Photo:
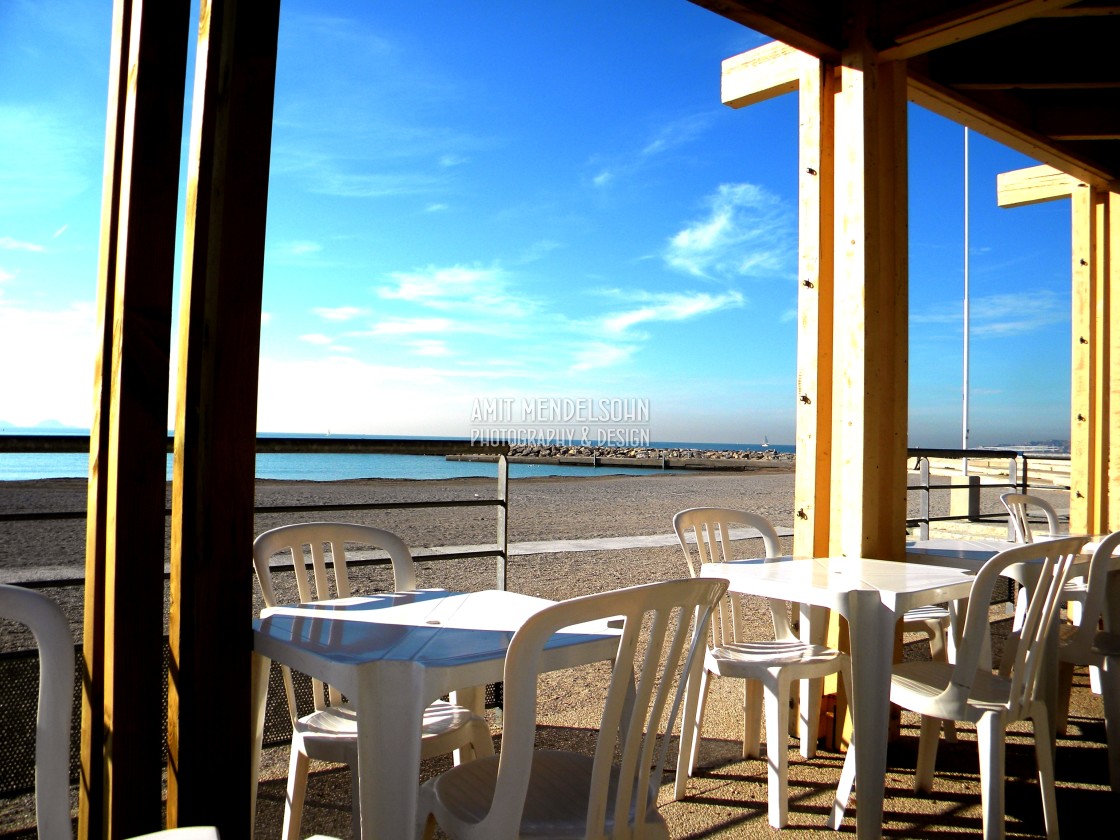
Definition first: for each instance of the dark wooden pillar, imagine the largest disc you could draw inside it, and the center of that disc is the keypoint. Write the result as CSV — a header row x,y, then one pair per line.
x,y
215,422
122,736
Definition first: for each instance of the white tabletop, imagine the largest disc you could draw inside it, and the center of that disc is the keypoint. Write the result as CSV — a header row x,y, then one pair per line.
x,y
872,595
394,654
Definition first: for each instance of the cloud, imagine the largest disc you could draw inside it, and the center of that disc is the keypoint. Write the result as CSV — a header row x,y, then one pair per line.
x,y
450,160
46,159
482,291
665,139
993,316
338,313
316,338
430,347
59,232
9,244
409,326
437,207
671,307
601,355
5,276
747,232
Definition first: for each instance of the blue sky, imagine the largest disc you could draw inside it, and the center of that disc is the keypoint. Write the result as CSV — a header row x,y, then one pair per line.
x,y
511,200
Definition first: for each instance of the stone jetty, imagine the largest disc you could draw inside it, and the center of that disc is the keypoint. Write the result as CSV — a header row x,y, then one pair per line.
x,y
642,456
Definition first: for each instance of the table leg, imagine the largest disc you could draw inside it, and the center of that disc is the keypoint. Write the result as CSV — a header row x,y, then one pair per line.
x,y
390,715
259,688
871,629
473,698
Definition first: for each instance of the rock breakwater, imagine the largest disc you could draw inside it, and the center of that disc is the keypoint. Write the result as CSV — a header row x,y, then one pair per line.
x,y
642,456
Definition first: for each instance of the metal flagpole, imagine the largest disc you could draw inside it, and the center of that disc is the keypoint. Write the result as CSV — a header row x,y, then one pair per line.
x,y
964,407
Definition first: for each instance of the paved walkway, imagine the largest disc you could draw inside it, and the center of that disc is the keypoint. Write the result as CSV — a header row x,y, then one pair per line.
x,y
520,549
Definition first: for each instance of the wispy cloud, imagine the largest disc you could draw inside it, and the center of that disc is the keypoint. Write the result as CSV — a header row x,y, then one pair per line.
x,y
5,276
316,338
1000,315
747,231
600,355
9,244
670,307
461,288
339,313
663,140
430,347
411,326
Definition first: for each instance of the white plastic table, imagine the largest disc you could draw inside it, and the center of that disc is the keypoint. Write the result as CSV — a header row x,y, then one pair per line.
x,y
392,655
872,595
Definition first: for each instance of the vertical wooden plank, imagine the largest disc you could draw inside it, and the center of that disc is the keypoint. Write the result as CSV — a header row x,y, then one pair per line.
x,y
1083,452
812,478
1112,272
1098,512
868,503
122,742
92,817
215,428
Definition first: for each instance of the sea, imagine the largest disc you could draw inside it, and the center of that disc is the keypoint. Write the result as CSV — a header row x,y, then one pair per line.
x,y
25,466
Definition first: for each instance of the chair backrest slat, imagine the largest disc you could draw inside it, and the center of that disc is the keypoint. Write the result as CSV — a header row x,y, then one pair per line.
x,y
1078,646
1018,505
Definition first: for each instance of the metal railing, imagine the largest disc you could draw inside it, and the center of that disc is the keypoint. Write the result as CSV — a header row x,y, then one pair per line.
x,y
329,445
1018,480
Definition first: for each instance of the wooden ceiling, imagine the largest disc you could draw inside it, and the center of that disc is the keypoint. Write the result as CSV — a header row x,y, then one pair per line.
x,y
1042,76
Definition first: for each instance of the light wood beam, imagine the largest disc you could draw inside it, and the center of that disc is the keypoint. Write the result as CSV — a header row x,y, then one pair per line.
x,y
870,360
959,23
209,731
1112,270
122,740
1083,377
762,73
816,183
1099,503
1033,185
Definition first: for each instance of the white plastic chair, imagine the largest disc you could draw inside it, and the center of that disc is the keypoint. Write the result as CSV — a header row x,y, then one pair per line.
x,y
330,732
1107,647
941,691
56,695
767,667
553,793
1077,640
1018,508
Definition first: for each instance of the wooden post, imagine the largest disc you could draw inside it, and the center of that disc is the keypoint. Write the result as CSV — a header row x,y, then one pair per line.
x,y
1112,309
122,739
812,477
1084,424
209,735
869,409
1095,356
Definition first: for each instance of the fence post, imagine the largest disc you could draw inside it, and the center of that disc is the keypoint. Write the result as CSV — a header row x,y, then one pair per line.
x,y
923,509
503,520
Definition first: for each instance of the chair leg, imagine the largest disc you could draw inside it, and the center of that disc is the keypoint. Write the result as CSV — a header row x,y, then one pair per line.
x,y
752,719
843,790
810,716
927,753
1044,753
777,749
1110,693
1065,689
939,634
297,790
989,737
355,802
692,728
482,742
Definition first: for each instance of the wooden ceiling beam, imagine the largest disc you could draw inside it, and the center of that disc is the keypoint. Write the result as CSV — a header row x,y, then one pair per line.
x,y
1033,185
947,27
991,123
762,73
812,27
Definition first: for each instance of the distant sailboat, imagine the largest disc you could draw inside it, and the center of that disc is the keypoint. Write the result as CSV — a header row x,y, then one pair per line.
x,y
765,442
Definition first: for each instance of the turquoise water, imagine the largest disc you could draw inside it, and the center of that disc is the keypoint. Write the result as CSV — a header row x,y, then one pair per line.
x,y
336,467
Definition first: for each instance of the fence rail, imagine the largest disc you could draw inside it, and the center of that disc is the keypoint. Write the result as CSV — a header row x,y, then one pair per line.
x,y
981,468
